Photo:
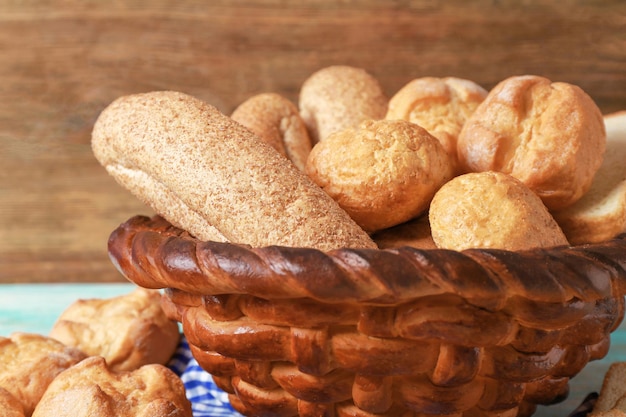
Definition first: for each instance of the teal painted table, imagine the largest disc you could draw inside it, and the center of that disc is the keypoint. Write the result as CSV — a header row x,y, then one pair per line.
x,y
35,307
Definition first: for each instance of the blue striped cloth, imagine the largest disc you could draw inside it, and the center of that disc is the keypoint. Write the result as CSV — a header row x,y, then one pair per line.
x,y
207,400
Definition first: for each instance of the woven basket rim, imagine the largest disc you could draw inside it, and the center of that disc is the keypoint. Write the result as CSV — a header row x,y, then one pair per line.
x,y
154,254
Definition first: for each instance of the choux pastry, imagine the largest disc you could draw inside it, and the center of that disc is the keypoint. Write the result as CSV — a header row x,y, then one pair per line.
x,y
549,135
491,210
382,173
340,97
439,105
277,121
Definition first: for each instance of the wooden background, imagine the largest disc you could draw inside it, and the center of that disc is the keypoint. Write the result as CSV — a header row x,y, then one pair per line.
x,y
61,62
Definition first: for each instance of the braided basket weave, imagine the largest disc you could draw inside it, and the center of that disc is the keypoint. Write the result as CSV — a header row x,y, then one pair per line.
x,y
395,332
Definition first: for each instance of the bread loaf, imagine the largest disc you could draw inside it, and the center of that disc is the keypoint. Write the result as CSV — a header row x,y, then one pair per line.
x,y
211,176
601,213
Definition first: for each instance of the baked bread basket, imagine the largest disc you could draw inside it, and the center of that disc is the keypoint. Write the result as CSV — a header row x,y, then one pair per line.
x,y
395,332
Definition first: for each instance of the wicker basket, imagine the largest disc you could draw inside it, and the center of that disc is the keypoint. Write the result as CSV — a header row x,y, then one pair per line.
x,y
396,332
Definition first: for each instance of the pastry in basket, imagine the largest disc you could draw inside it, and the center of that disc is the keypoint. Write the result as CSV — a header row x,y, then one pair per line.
x,y
129,331
601,213
325,323
211,176
340,97
9,405
29,364
491,210
439,105
393,170
92,389
277,121
549,135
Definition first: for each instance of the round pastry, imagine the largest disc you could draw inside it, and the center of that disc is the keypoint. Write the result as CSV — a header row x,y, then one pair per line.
x,y
29,363
91,389
129,331
491,210
277,121
383,173
439,105
212,177
340,97
550,136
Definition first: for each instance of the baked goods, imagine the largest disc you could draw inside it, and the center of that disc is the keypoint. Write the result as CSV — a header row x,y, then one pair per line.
x,y
211,176
91,389
277,121
549,135
9,405
439,105
612,399
340,97
29,363
382,173
601,213
129,331
491,210
414,233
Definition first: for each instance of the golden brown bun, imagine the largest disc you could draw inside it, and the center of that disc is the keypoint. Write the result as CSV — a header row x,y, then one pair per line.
x,y
439,105
491,210
129,331
9,405
548,135
340,97
277,121
601,213
211,176
91,389
414,233
29,364
383,173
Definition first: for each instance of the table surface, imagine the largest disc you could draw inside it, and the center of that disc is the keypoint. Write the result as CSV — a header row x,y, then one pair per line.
x,y
34,308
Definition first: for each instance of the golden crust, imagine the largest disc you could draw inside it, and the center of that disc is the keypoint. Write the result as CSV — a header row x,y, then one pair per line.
x,y
383,173
29,364
211,176
491,210
340,97
550,136
277,121
129,331
9,405
439,105
90,388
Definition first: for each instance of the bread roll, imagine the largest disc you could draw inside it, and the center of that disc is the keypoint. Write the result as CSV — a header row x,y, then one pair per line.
x,y
612,397
601,213
340,97
277,121
209,175
439,105
129,330
491,210
548,135
29,364
383,173
91,389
